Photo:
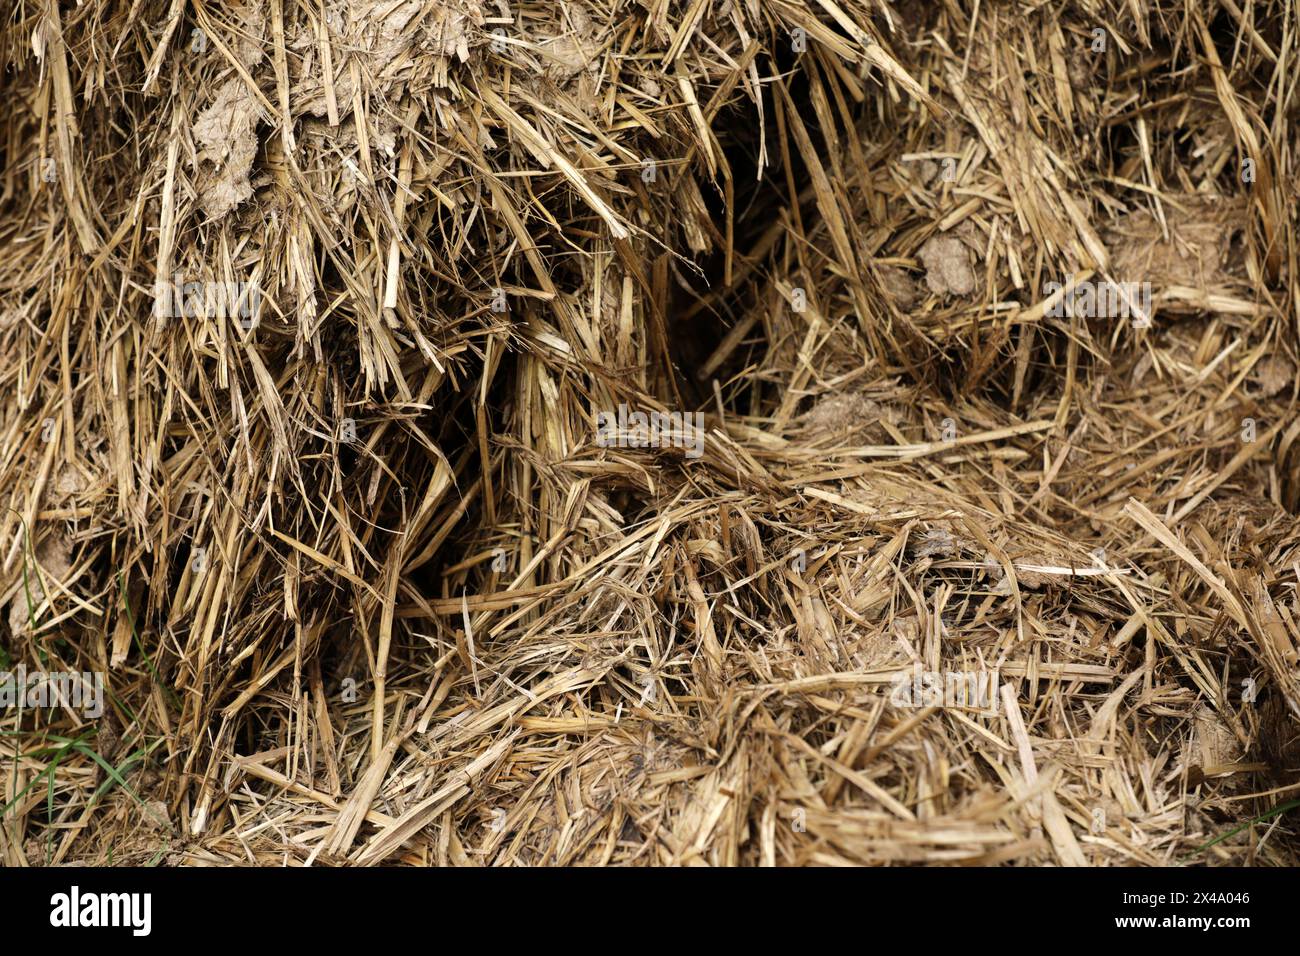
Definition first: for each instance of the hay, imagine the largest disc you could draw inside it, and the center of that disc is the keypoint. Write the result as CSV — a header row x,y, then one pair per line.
x,y
372,582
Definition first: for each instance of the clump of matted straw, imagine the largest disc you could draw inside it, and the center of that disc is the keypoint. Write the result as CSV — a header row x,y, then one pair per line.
x,y
370,584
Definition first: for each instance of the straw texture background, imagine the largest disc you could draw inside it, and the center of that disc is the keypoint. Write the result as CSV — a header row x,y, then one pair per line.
x,y
365,587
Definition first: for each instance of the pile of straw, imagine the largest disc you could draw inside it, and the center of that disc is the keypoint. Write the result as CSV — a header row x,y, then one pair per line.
x,y
328,331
